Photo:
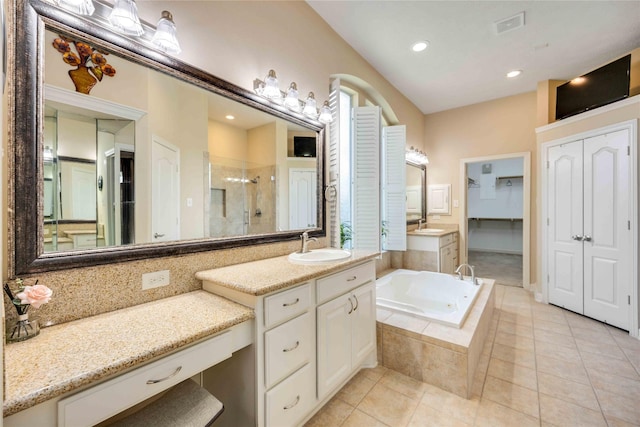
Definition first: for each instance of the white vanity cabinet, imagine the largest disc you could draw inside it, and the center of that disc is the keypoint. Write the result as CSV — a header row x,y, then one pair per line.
x,y
445,247
346,324
448,258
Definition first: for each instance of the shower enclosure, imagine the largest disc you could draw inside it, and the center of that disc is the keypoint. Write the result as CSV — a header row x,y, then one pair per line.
x,y
243,198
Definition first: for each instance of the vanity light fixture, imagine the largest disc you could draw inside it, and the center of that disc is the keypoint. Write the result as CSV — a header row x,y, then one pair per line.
x,y
514,73
310,109
291,101
81,7
165,35
325,113
124,17
271,89
416,156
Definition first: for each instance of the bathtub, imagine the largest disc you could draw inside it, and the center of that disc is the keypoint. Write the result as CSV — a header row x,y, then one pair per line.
x,y
437,297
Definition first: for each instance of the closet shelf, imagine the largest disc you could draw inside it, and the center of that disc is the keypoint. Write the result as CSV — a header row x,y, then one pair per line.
x,y
509,177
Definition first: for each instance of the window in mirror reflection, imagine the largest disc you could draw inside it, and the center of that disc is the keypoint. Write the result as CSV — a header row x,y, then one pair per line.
x,y
415,192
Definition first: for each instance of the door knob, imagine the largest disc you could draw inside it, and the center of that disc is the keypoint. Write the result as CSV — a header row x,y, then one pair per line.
x,y
586,238
577,237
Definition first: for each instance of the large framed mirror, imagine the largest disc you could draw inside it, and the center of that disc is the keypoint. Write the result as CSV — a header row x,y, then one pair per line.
x,y
148,161
416,192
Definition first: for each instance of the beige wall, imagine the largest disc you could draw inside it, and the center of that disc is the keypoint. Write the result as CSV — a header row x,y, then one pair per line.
x,y
497,127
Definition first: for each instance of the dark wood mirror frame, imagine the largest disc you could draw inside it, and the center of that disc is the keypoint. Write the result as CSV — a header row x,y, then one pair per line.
x,y
423,182
25,219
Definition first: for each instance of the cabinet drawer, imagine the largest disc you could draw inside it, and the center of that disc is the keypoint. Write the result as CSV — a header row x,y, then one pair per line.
x,y
286,305
339,283
446,239
287,348
98,403
288,402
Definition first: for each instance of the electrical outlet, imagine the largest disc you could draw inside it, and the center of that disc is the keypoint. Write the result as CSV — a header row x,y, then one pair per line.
x,y
155,279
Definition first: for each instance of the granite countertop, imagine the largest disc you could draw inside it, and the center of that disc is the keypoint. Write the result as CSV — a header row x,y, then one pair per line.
x,y
272,274
441,233
71,355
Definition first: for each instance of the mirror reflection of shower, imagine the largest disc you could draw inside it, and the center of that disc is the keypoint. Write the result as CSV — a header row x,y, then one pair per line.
x,y
241,202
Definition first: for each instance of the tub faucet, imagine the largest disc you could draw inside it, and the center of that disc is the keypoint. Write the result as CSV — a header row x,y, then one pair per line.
x,y
473,274
304,241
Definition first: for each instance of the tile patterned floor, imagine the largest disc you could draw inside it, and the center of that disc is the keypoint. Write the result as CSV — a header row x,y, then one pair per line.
x,y
505,269
541,366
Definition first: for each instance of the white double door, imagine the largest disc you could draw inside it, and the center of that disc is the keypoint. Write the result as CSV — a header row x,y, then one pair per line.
x,y
589,237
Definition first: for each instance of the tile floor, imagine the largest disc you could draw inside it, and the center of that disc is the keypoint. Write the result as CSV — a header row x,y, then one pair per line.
x,y
541,366
505,269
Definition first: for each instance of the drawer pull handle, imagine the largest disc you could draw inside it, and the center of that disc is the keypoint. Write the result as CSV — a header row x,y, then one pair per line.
x,y
350,302
357,303
165,378
289,304
352,278
286,408
286,350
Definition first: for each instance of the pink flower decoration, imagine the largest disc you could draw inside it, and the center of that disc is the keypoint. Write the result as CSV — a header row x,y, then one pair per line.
x,y
35,295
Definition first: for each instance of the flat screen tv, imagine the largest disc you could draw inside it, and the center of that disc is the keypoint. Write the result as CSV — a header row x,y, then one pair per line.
x,y
600,87
304,146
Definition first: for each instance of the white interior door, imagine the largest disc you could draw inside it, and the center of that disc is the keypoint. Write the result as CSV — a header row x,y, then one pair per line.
x,y
302,198
607,241
565,253
83,197
165,196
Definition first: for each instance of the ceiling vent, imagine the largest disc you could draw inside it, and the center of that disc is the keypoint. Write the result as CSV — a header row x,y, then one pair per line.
x,y
509,24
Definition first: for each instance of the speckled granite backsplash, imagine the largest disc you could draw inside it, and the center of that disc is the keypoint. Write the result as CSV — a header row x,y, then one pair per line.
x,y
84,292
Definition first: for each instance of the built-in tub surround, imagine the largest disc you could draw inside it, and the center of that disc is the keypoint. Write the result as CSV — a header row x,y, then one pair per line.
x,y
434,353
67,357
84,292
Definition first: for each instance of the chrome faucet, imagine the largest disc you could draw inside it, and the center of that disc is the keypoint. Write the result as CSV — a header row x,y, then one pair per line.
x,y
473,274
419,224
304,240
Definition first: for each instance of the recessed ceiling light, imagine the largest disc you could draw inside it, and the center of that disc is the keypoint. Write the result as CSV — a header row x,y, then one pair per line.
x,y
420,46
514,73
229,117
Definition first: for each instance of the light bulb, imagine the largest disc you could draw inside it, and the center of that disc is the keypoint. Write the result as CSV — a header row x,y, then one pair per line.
x,y
310,109
325,113
165,35
291,101
124,17
271,89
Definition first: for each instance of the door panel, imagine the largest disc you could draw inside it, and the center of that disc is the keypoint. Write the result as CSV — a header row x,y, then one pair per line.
x,y
165,191
606,212
565,220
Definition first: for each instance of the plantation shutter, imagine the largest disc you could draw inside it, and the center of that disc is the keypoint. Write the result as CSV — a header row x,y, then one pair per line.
x,y
394,200
332,190
366,178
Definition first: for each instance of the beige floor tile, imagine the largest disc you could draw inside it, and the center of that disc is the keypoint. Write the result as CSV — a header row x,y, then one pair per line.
x,y
550,316
623,339
548,325
514,396
356,389
426,416
567,370
360,419
633,355
604,349
491,414
513,355
375,373
616,422
334,413
554,338
450,404
513,328
408,386
579,321
594,334
519,318
515,341
620,407
561,413
570,391
555,351
606,381
508,371
389,406
603,363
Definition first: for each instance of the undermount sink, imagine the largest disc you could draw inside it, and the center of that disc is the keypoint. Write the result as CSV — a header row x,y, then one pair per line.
x,y
429,230
319,256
